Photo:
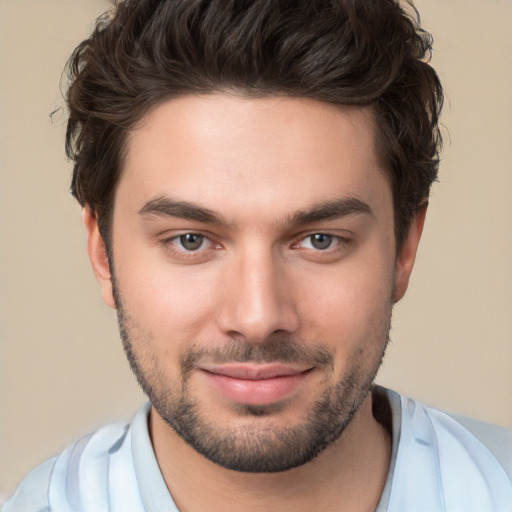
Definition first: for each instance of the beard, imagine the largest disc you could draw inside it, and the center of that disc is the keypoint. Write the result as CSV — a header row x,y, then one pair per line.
x,y
257,445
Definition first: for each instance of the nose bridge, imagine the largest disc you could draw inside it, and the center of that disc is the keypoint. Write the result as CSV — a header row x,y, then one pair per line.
x,y
257,299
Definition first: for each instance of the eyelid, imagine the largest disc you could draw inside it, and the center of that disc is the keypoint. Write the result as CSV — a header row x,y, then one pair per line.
x,y
171,246
204,240
341,239
170,243
175,234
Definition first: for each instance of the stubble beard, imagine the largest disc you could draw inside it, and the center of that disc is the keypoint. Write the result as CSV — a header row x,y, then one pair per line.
x,y
257,446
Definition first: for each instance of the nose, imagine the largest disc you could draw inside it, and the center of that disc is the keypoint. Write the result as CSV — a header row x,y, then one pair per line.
x,y
258,299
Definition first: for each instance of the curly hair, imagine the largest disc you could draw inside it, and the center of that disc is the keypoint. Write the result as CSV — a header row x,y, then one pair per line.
x,y
344,52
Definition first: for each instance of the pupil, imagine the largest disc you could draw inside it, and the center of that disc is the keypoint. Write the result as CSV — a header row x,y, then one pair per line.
x,y
321,241
191,241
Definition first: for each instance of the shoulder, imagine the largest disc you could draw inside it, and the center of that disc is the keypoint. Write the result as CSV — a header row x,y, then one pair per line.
x,y
473,435
498,440
442,462
465,464
68,480
32,493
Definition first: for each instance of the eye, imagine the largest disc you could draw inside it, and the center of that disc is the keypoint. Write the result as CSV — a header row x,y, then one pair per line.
x,y
190,241
190,247
324,247
319,241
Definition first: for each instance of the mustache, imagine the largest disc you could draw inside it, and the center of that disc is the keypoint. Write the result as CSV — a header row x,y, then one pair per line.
x,y
275,350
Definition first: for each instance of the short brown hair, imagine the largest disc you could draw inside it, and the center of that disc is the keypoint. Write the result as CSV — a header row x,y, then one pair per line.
x,y
347,52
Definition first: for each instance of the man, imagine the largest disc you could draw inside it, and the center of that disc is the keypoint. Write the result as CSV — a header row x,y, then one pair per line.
x,y
254,178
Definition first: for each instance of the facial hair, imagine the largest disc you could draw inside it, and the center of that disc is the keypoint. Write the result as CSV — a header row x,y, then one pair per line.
x,y
257,446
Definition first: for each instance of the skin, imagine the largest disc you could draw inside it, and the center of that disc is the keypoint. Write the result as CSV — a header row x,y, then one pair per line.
x,y
258,166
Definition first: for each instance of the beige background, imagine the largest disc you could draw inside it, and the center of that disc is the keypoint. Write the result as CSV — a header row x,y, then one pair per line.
x,y
62,368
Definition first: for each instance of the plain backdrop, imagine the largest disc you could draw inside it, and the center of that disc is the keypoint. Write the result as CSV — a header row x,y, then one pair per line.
x,y
63,372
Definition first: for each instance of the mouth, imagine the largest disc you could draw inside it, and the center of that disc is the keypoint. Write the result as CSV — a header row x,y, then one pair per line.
x,y
260,384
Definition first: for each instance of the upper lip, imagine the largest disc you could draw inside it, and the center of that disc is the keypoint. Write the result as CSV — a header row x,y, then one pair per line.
x,y
254,371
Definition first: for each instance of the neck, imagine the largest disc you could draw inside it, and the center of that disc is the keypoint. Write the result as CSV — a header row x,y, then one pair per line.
x,y
349,475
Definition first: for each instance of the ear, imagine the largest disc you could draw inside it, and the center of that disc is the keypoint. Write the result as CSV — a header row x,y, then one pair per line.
x,y
98,256
407,253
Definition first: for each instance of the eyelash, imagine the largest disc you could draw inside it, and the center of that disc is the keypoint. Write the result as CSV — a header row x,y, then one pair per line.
x,y
338,243
170,245
335,241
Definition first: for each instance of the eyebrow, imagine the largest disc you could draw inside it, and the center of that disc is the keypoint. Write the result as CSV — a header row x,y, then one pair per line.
x,y
326,210
168,207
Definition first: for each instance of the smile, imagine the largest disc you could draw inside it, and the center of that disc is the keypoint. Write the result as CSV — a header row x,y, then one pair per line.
x,y
255,384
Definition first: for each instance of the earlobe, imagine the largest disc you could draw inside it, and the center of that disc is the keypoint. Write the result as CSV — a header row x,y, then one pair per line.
x,y
407,253
98,256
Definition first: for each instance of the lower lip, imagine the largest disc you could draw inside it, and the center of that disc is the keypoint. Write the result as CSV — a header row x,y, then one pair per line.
x,y
256,392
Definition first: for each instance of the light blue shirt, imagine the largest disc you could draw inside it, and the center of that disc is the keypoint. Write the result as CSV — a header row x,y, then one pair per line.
x,y
438,464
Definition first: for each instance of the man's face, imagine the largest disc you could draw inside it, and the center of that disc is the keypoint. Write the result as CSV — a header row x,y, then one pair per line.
x,y
254,272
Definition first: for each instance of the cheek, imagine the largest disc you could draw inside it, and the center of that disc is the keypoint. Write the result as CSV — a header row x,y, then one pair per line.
x,y
348,305
168,302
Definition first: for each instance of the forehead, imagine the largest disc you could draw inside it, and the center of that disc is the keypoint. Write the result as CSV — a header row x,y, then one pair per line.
x,y
231,152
